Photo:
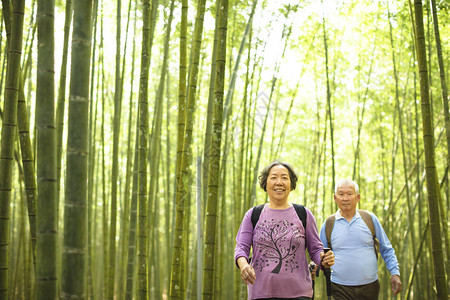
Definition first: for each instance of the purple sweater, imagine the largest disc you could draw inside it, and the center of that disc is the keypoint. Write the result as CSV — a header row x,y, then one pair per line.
x,y
279,257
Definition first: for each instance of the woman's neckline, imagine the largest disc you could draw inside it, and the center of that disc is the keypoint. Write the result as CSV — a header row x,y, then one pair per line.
x,y
289,205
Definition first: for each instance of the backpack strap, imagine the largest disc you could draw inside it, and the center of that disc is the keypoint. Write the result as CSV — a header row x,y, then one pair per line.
x,y
301,213
329,228
367,218
256,213
299,209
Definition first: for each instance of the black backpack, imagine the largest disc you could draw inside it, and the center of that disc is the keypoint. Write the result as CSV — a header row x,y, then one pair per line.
x,y
299,209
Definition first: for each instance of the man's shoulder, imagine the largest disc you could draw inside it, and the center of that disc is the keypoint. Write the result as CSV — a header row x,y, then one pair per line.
x,y
329,220
363,213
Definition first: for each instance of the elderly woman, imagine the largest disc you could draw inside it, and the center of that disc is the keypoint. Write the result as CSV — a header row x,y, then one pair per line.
x,y
279,268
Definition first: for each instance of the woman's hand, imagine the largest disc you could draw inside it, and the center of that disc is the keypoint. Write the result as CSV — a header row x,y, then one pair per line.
x,y
312,269
247,271
327,259
248,274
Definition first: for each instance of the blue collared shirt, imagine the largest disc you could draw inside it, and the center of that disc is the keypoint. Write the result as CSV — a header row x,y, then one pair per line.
x,y
355,260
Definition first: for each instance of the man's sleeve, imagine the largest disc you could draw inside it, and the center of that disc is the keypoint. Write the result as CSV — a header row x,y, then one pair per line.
x,y
386,250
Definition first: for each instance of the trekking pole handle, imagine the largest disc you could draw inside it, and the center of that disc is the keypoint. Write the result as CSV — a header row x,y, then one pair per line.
x,y
327,273
325,250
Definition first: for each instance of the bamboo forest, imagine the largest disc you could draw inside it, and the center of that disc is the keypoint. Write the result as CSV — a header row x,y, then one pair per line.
x,y
133,134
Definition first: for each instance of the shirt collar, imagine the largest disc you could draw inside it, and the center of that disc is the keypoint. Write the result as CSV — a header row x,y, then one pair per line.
x,y
339,216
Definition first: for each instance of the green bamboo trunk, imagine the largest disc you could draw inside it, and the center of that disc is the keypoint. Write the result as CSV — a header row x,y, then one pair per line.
x,y
60,108
47,233
418,184
9,128
360,119
133,221
177,218
258,157
156,142
142,157
402,139
115,161
104,257
444,93
75,212
184,174
251,133
129,176
330,113
442,76
29,41
213,184
430,164
230,91
181,121
29,174
209,114
28,164
93,108
92,219
240,196
168,188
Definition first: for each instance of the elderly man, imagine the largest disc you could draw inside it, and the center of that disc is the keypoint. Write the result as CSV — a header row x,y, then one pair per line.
x,y
356,236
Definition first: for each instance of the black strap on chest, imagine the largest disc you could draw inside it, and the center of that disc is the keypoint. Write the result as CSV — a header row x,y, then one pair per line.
x,y
299,209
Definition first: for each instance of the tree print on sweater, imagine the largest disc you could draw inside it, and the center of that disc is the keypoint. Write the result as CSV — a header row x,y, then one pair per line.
x,y
277,241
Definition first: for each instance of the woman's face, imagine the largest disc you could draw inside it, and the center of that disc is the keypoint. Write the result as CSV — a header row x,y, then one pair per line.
x,y
278,184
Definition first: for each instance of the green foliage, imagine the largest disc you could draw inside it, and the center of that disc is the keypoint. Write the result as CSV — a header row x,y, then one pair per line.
x,y
60,4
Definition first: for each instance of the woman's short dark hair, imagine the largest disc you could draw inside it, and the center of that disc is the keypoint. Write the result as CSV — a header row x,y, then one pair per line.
x,y
265,173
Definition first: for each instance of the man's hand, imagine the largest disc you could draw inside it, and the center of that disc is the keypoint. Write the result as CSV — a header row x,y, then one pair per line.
x,y
327,259
396,284
247,271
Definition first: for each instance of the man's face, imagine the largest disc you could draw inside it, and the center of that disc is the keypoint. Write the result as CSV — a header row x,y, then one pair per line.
x,y
346,198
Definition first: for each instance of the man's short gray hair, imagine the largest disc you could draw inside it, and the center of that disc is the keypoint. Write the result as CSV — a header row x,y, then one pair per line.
x,y
342,182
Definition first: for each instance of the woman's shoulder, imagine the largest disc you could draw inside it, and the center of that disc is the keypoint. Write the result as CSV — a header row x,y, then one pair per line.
x,y
309,215
308,211
250,211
